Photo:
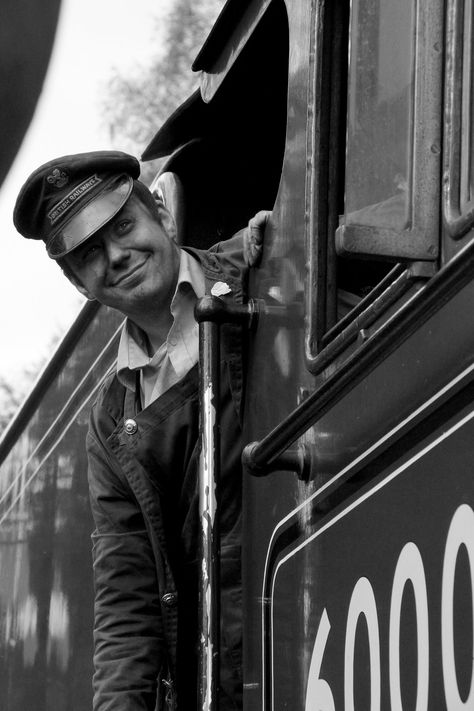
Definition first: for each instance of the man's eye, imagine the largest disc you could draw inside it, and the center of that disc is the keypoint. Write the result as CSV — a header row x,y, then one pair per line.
x,y
90,252
123,226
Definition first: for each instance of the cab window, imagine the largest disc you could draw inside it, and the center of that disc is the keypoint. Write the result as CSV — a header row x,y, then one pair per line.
x,y
376,184
380,114
393,130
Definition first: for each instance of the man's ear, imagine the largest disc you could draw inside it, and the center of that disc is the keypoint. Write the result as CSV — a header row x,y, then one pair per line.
x,y
168,191
167,220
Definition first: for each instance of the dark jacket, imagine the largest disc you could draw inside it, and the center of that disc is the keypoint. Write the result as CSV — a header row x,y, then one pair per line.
x,y
143,488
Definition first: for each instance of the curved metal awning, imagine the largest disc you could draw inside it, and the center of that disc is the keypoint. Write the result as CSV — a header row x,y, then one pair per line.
x,y
231,32
184,124
194,117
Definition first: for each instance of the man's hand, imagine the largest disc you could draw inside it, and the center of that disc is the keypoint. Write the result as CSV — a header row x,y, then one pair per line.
x,y
253,238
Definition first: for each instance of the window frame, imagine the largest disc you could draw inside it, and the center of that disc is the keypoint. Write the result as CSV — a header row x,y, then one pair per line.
x,y
458,214
325,240
420,240
324,111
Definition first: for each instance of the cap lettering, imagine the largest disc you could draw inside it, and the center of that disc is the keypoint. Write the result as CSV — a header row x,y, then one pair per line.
x,y
66,203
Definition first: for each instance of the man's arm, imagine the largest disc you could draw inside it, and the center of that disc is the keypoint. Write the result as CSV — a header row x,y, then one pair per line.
x,y
244,249
128,635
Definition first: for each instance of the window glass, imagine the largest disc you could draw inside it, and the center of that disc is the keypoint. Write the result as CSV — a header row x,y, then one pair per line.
x,y
380,113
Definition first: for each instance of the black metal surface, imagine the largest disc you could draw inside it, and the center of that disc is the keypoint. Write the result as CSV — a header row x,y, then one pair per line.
x,y
27,32
395,331
363,304
184,124
365,319
219,35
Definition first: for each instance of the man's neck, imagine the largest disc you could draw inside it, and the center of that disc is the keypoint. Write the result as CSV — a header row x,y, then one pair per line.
x,y
155,326
157,336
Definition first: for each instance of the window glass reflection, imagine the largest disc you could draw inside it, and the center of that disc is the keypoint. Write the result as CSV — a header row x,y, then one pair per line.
x,y
380,113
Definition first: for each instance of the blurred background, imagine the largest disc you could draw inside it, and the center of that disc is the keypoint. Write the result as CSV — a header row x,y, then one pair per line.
x,y
76,76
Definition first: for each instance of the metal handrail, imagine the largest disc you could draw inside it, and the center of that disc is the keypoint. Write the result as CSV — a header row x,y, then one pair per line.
x,y
209,549
210,313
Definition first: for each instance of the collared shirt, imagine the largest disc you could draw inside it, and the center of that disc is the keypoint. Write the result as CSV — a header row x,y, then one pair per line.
x,y
179,352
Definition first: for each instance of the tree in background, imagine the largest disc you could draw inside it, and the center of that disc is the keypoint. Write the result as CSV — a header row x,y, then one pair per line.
x,y
10,399
135,107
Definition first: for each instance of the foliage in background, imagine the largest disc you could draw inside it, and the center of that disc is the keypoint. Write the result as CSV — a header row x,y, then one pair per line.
x,y
135,107
10,400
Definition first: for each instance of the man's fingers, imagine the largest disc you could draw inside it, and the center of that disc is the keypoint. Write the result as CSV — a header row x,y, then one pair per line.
x,y
253,237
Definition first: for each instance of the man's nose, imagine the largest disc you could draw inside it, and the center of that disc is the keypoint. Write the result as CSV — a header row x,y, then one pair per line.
x,y
116,253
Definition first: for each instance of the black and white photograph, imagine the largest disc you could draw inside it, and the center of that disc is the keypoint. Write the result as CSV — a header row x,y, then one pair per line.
x,y
237,355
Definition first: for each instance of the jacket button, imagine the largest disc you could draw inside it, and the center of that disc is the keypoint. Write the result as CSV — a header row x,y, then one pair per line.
x,y
169,599
130,427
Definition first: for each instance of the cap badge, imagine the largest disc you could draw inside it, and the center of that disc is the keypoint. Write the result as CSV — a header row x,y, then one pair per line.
x,y
220,288
58,178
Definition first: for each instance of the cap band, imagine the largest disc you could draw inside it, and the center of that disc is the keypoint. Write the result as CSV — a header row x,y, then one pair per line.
x,y
90,218
67,202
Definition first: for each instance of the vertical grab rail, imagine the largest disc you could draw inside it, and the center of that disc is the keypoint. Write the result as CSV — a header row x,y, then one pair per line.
x,y
210,313
209,549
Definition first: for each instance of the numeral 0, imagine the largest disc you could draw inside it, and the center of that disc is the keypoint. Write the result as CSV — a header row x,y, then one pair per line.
x,y
409,567
461,532
362,603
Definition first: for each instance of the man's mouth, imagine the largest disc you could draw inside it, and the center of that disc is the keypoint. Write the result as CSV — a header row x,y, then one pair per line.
x,y
126,275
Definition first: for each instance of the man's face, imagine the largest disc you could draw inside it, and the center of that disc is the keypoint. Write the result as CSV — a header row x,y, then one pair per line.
x,y
131,264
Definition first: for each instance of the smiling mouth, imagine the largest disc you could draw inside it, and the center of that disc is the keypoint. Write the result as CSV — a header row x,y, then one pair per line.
x,y
124,277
